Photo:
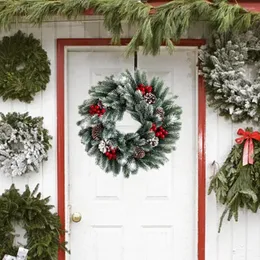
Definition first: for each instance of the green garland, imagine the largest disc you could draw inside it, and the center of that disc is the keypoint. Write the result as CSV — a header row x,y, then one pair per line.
x,y
24,67
237,186
149,104
43,228
168,21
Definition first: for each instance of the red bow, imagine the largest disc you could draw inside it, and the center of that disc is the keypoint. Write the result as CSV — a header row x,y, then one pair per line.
x,y
248,152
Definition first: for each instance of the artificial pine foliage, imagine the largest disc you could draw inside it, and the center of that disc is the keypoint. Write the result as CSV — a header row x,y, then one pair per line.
x,y
24,143
155,25
236,185
146,148
33,213
229,90
24,67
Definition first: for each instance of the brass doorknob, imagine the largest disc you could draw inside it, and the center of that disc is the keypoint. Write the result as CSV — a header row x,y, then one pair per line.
x,y
76,217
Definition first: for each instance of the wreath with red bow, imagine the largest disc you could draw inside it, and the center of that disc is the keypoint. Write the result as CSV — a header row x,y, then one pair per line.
x,y
149,103
237,183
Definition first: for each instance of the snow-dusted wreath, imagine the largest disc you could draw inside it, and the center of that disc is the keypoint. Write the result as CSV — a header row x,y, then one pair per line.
x,y
149,104
229,89
23,143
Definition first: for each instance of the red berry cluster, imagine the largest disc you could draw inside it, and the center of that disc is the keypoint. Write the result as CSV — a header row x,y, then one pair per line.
x,y
144,89
97,109
160,132
111,154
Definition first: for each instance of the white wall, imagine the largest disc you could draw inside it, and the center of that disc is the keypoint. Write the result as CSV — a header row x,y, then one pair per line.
x,y
237,241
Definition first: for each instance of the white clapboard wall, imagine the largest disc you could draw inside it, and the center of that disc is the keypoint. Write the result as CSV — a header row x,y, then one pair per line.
x,y
237,241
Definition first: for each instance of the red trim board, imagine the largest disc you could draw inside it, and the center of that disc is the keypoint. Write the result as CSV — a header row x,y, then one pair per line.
x,y
61,44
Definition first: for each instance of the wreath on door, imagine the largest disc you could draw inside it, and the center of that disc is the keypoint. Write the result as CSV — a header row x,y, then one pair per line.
x,y
31,212
150,104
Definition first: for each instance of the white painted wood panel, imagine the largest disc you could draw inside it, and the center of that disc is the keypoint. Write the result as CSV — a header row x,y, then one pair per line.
x,y
236,241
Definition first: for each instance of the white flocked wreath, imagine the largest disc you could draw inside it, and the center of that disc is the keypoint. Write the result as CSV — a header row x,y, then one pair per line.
x,y
224,66
23,143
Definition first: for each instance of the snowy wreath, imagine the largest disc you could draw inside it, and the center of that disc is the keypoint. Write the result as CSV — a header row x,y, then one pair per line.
x,y
150,104
24,143
229,89
34,214
24,67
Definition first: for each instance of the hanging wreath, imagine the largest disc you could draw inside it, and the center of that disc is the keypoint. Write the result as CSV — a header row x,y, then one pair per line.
x,y
43,228
23,143
229,89
236,183
24,67
149,104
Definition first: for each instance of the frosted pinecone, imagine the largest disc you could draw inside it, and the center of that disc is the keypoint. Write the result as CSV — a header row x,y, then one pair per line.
x,y
153,141
160,112
150,98
6,130
96,132
139,153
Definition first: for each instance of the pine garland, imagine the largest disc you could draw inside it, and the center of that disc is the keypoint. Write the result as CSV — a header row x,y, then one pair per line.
x,y
43,228
236,185
24,67
149,104
229,90
24,143
166,23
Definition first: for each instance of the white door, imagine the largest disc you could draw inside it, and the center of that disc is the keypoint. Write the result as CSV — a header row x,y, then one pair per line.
x,y
152,215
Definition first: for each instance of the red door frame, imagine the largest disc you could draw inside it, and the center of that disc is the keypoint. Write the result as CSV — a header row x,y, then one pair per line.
x,y
61,44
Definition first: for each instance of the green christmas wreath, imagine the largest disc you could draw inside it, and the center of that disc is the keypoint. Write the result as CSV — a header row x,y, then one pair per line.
x,y
24,143
149,104
30,211
24,67
229,89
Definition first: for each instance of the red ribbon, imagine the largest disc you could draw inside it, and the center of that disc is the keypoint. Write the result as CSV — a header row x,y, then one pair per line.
x,y
248,152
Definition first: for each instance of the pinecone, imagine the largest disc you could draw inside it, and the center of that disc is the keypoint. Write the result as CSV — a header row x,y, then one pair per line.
x,y
160,112
139,153
96,132
150,98
153,141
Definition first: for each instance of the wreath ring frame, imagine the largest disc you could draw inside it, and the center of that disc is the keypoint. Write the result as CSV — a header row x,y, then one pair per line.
x,y
24,143
24,67
229,90
43,228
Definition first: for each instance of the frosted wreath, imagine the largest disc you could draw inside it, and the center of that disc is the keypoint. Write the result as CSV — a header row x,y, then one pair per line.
x,y
23,143
229,90
149,104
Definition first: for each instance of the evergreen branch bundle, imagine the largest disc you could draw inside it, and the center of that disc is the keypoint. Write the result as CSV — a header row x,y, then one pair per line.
x,y
229,89
149,104
33,213
24,67
24,143
237,186
154,25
